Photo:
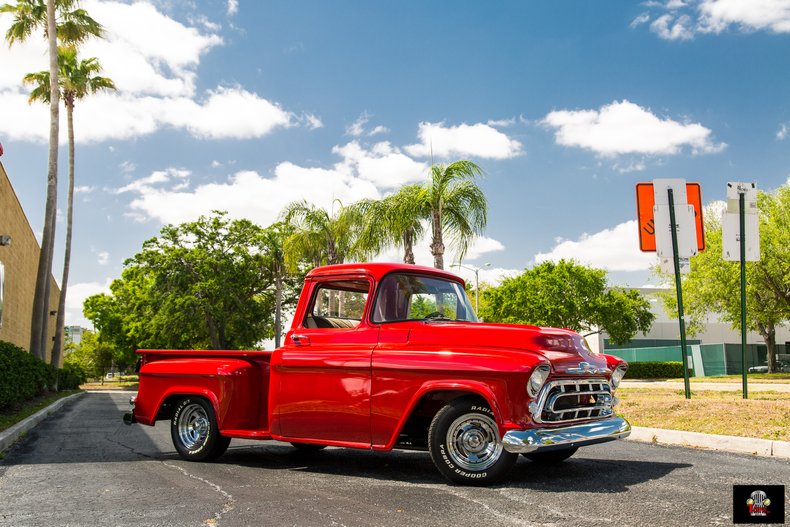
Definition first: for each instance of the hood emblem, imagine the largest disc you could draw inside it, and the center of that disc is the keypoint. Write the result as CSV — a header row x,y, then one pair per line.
x,y
585,368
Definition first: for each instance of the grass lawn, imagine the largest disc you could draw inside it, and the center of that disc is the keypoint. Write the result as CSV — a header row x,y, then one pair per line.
x,y
11,416
764,415
751,377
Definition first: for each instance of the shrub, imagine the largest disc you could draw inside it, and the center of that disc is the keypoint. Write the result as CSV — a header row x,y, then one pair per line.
x,y
23,376
654,370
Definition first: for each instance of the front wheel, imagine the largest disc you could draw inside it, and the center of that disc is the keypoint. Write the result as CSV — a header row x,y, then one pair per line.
x,y
195,431
465,446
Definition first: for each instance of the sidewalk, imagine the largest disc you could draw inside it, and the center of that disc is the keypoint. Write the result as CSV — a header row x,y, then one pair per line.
x,y
709,386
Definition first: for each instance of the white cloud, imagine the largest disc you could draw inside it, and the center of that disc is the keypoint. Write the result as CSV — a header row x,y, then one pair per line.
x,y
233,7
103,258
670,27
781,134
312,122
157,177
155,72
682,20
226,113
476,140
383,165
75,297
247,194
639,20
626,128
615,249
84,189
772,15
378,130
357,128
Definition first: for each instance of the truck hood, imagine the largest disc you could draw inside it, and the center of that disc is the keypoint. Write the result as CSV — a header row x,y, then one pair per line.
x,y
564,349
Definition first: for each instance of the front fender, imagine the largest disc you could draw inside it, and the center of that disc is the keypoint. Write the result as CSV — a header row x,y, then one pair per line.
x,y
471,387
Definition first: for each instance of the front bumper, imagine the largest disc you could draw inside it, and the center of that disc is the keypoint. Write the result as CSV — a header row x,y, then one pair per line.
x,y
525,441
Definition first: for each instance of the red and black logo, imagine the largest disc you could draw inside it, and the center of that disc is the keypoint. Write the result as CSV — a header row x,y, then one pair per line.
x,y
758,504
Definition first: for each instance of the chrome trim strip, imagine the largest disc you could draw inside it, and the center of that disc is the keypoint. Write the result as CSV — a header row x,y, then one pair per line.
x,y
525,441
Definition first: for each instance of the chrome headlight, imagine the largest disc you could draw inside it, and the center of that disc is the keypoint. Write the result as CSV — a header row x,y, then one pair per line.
x,y
537,379
618,375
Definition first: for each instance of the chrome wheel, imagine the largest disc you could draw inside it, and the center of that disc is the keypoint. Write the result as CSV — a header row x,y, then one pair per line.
x,y
473,442
193,426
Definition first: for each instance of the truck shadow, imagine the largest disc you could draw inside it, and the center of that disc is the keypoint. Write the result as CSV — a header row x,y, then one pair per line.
x,y
578,474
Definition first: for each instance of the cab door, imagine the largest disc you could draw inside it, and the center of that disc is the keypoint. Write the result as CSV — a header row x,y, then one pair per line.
x,y
323,371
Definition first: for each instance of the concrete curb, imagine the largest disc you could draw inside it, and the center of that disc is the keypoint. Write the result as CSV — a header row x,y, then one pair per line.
x,y
740,445
9,436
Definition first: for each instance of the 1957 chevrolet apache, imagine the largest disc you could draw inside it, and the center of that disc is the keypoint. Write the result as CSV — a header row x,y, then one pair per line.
x,y
383,356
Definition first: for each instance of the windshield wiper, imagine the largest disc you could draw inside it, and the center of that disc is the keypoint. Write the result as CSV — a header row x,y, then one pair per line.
x,y
436,316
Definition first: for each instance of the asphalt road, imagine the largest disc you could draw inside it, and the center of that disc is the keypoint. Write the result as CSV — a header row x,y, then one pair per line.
x,y
84,467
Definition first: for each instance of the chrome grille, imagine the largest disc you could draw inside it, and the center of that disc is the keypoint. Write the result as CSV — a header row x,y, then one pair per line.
x,y
561,401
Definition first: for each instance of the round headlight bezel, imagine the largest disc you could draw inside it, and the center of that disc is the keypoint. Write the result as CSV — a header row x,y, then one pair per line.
x,y
538,378
618,374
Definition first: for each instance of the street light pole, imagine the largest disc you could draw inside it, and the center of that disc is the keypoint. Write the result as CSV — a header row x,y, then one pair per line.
x,y
475,270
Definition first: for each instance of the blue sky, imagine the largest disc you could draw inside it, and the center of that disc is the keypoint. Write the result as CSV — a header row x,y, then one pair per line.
x,y
245,106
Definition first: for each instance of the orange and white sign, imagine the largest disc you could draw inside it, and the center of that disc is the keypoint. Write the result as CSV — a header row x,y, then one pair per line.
x,y
645,203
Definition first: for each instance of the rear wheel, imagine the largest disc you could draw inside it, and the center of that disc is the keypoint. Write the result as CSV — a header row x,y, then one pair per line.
x,y
465,446
195,431
552,456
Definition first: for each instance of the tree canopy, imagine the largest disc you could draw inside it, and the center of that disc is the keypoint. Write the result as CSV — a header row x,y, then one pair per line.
x,y
203,284
713,284
568,295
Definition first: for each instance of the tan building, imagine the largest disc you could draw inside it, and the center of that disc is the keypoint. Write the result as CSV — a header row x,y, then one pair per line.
x,y
18,265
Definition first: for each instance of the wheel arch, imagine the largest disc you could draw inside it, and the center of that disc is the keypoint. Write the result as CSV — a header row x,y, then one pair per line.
x,y
431,397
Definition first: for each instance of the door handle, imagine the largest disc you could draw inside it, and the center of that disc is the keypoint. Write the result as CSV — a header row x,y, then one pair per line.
x,y
300,340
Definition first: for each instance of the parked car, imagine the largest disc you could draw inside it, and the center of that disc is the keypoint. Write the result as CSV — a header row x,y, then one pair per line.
x,y
384,356
781,367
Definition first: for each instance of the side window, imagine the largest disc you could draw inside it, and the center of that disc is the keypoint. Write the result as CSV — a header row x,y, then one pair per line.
x,y
338,304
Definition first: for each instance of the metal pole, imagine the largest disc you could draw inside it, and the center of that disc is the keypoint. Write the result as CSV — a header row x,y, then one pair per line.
x,y
477,291
742,213
681,317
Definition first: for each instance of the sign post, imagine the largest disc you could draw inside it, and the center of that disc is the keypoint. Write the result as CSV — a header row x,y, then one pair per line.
x,y
669,213
748,243
681,317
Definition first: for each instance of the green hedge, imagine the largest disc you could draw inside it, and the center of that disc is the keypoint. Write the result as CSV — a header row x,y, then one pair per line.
x,y
654,370
23,376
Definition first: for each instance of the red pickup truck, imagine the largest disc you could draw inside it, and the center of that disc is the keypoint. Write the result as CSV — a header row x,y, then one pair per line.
x,y
383,356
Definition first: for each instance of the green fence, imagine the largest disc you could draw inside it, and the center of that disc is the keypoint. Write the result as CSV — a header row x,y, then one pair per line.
x,y
707,359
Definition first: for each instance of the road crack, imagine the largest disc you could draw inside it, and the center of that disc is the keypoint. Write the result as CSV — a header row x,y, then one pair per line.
x,y
230,501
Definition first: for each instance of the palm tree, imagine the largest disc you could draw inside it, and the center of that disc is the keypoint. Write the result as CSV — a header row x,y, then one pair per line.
x,y
274,238
77,79
60,19
320,237
393,221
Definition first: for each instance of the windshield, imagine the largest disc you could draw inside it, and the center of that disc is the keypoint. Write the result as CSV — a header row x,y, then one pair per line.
x,y
404,297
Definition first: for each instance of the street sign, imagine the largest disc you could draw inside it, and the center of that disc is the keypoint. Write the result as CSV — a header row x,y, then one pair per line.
x,y
645,201
730,223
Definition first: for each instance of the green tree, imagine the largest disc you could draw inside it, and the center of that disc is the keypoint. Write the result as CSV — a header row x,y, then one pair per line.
x,y
396,220
93,356
568,295
61,20
202,284
713,284
319,237
77,79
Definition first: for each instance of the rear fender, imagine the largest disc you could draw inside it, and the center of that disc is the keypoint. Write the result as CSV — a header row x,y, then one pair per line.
x,y
230,385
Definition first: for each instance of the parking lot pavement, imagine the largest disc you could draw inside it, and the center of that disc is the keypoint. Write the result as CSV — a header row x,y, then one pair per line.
x,y
84,467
